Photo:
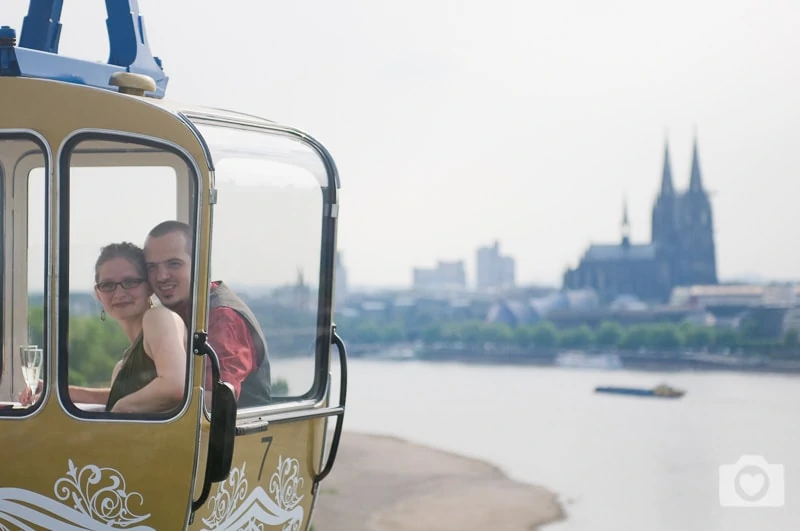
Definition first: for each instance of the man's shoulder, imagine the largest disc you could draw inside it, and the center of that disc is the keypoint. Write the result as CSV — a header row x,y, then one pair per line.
x,y
221,311
218,287
222,295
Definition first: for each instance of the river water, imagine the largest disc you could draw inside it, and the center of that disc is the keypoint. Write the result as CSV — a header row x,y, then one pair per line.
x,y
616,462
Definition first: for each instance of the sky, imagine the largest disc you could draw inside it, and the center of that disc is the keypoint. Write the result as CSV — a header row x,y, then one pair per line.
x,y
457,123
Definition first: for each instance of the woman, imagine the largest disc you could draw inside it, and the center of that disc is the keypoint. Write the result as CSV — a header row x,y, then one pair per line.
x,y
151,375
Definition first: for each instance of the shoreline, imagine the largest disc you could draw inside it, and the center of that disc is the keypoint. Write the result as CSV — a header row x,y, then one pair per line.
x,y
386,483
666,361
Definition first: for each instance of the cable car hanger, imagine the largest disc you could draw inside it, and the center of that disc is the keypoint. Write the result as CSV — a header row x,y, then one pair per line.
x,y
36,55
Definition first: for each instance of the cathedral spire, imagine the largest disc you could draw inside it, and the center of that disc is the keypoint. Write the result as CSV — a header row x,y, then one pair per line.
x,y
666,177
695,182
665,207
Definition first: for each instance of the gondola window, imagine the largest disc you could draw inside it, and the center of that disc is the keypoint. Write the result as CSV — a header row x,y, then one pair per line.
x,y
266,247
125,346
23,167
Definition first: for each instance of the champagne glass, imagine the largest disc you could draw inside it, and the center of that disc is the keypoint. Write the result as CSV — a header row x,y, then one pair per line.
x,y
31,363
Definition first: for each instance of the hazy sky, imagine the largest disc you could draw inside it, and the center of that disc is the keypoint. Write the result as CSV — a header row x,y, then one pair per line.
x,y
455,123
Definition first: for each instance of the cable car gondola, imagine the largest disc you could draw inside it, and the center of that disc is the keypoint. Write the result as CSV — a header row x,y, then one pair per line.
x,y
93,154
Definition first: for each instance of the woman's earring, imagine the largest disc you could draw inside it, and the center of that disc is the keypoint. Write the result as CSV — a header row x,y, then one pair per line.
x,y
103,314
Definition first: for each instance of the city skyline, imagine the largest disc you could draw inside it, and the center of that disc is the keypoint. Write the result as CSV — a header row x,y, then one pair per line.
x,y
469,271
472,282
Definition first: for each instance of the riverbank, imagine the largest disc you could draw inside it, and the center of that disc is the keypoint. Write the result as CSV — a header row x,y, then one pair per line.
x,y
636,360
387,484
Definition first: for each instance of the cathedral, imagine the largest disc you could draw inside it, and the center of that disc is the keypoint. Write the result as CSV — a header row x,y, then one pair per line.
x,y
681,251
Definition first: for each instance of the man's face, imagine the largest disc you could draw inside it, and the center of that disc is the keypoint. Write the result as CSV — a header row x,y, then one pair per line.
x,y
169,268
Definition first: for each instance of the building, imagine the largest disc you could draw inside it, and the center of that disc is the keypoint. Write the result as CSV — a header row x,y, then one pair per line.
x,y
445,276
681,251
791,320
494,271
737,295
518,313
299,296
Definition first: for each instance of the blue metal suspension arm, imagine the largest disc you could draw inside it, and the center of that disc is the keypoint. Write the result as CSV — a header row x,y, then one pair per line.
x,y
37,53
41,29
129,48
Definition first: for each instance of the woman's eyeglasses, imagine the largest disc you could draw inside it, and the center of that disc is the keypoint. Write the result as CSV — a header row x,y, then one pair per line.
x,y
126,283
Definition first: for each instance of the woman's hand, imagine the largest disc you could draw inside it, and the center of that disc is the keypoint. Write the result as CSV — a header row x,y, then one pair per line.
x,y
26,398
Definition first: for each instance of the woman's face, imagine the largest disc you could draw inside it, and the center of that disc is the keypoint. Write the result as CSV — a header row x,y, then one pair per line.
x,y
122,290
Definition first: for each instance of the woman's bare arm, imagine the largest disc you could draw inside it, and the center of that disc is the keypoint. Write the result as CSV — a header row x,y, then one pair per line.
x,y
77,394
165,342
88,395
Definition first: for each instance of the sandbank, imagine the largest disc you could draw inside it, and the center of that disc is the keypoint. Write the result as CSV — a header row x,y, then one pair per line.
x,y
381,483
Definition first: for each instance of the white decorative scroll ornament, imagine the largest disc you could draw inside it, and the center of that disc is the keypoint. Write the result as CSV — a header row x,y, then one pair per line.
x,y
89,499
231,511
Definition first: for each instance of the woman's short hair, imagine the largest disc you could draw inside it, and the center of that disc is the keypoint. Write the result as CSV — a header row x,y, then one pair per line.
x,y
130,252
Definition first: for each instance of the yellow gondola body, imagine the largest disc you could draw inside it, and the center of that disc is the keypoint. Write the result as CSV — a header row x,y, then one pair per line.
x,y
73,466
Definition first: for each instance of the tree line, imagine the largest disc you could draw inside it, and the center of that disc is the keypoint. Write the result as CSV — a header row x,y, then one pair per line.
x,y
662,336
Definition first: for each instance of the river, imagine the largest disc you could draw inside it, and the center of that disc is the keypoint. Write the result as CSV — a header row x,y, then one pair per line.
x,y
617,462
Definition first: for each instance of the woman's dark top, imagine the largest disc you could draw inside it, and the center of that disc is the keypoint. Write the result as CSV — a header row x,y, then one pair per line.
x,y
137,371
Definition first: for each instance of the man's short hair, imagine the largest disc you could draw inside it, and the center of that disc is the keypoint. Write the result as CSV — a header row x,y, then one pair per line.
x,y
170,226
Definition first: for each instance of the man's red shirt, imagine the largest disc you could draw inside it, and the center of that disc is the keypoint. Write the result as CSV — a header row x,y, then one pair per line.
x,y
229,336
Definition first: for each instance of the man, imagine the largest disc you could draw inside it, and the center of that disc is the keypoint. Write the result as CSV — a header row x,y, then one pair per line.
x,y
233,330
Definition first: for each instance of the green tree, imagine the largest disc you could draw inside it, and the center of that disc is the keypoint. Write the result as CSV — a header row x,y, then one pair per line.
x,y
367,332
470,331
545,335
727,337
280,387
94,348
495,333
432,333
791,338
665,335
36,325
524,336
393,333
750,328
453,332
699,336
609,334
637,336
418,320
576,337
